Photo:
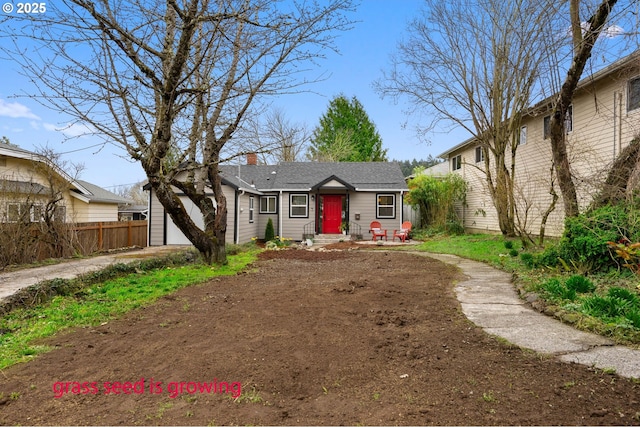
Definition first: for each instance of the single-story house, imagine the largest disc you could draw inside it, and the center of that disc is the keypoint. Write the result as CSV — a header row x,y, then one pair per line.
x,y
604,117
25,183
303,199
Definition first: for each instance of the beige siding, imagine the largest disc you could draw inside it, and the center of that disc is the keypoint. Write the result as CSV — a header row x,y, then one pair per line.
x,y
94,212
14,169
602,127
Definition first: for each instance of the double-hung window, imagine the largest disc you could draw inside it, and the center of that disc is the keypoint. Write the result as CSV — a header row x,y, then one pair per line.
x,y
386,206
456,162
299,205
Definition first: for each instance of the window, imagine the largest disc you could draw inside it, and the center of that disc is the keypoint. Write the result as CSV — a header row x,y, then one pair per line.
x,y
523,135
36,213
479,154
13,212
386,206
633,94
60,214
568,120
24,212
568,123
268,204
298,206
456,162
251,208
546,127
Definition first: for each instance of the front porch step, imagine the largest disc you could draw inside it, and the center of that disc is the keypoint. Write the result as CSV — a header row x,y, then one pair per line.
x,y
326,239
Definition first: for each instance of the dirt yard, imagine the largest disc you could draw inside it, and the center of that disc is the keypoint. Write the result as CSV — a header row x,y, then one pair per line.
x,y
346,337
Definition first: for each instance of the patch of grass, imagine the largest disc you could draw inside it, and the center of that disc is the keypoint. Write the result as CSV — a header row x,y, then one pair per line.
x,y
251,396
604,303
100,303
478,247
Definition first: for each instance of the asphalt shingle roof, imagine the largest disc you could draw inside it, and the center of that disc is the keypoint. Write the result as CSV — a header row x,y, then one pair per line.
x,y
305,175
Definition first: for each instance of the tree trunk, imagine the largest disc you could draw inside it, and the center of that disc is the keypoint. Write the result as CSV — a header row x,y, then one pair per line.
x,y
582,52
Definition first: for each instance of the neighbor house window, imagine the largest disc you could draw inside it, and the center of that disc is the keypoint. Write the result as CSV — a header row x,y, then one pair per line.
x,y
36,213
13,212
523,135
456,162
546,127
568,120
568,123
24,212
268,204
60,214
251,199
298,206
479,154
386,206
633,94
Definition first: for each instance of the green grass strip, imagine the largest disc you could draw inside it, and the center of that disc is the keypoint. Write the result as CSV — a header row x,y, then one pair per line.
x,y
99,303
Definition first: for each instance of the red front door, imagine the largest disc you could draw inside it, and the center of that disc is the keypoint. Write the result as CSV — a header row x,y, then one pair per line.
x,y
331,214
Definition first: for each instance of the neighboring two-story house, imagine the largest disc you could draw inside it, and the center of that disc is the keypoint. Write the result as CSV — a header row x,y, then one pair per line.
x,y
603,119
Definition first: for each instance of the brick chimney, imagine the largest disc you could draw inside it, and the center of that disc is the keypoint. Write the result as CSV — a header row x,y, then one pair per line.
x,y
252,159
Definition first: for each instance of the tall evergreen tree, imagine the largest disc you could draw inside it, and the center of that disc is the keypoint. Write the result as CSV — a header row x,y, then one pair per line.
x,y
346,134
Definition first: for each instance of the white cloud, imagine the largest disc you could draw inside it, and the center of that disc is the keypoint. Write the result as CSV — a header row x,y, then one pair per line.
x,y
16,110
609,32
613,31
71,130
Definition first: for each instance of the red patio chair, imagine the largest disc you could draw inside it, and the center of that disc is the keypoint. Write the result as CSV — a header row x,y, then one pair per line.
x,y
403,233
375,228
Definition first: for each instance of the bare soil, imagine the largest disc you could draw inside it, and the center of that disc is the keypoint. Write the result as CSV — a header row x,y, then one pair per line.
x,y
314,338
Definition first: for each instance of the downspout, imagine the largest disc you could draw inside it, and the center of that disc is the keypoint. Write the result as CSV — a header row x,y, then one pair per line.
x,y
280,215
615,122
237,225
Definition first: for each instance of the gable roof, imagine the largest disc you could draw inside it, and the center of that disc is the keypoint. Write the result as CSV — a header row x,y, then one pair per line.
x,y
305,176
99,194
82,190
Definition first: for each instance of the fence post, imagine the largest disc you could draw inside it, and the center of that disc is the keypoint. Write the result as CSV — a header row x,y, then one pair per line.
x,y
129,237
100,235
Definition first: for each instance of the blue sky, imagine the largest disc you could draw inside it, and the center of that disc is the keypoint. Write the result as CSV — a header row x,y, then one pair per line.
x,y
364,52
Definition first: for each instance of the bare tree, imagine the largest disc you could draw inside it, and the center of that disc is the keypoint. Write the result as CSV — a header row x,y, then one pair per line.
x,y
172,81
135,192
475,64
274,138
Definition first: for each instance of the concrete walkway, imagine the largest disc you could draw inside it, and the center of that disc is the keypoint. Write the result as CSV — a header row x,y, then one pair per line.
x,y
12,281
489,300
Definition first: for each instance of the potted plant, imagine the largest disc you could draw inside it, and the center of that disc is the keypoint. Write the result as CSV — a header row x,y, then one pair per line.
x,y
344,227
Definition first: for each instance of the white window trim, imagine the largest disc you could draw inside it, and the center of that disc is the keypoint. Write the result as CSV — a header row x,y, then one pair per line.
x,y
251,209
479,154
456,162
635,80
523,135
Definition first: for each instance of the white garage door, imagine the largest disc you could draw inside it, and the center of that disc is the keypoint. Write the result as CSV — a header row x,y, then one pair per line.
x,y
174,235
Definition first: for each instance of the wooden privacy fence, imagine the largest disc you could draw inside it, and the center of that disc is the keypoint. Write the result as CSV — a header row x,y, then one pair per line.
x,y
102,236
